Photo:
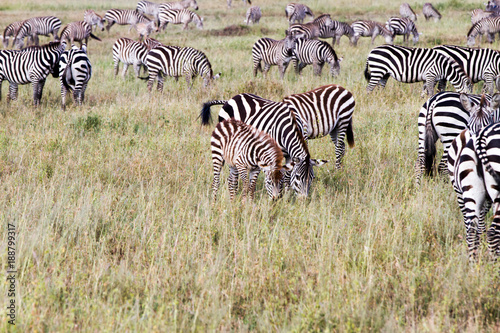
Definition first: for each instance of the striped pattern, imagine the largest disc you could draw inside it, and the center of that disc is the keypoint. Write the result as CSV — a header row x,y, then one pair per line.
x,y
130,52
406,11
31,65
338,30
230,2
36,26
403,26
296,12
273,52
253,15
179,5
178,61
430,12
79,31
246,150
413,65
317,53
370,29
75,72
124,17
93,19
149,8
179,16
326,110
11,31
314,29
488,26
146,29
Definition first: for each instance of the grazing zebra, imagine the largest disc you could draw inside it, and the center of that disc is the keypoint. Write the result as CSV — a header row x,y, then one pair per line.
x,y
253,15
35,26
413,65
79,31
370,29
430,12
149,8
184,4
246,150
317,53
478,64
179,16
406,11
403,26
273,52
132,53
145,29
93,19
324,111
278,120
11,31
75,72
296,12
312,30
229,2
489,26
338,30
30,65
178,61
124,17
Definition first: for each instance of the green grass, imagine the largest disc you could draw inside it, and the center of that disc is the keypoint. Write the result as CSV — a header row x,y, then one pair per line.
x,y
116,230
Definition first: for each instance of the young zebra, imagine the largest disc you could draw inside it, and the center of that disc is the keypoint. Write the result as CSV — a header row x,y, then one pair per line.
x,y
184,4
11,31
145,29
430,12
149,8
273,52
178,61
246,150
489,26
479,64
179,16
296,12
31,65
338,30
132,53
317,53
124,17
75,72
79,31
406,11
229,2
278,120
253,15
403,26
324,111
93,19
477,15
312,30
370,29
35,26
413,65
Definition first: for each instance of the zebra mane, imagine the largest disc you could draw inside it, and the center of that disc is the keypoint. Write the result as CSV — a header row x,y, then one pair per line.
x,y
472,29
317,19
50,45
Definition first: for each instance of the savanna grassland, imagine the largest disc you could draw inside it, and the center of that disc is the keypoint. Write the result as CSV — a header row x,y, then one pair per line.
x,y
114,224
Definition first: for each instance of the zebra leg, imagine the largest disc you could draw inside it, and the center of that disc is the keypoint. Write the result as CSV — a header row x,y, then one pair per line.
x,y
338,140
493,234
109,25
64,91
125,68
116,65
137,68
317,67
12,92
39,91
254,173
232,182
443,164
189,80
472,237
159,85
442,85
486,208
256,67
218,164
242,171
488,86
266,69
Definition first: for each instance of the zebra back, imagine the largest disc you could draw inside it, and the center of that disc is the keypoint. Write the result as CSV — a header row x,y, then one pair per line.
x,y
312,30
35,26
311,51
429,11
487,147
406,11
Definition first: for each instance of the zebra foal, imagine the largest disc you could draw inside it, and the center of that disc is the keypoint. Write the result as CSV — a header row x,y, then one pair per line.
x,y
79,31
253,15
370,29
430,12
132,53
179,16
403,26
124,17
489,26
273,52
312,30
317,53
93,19
75,72
11,31
297,12
406,11
36,26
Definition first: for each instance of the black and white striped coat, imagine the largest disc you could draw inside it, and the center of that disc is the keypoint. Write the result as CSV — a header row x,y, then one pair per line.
x,y
403,26
124,17
279,121
413,65
253,15
179,16
273,52
338,30
75,72
488,26
406,11
178,61
11,31
312,30
36,26
132,53
30,65
149,8
246,150
477,15
93,19
326,110
297,12
370,29
79,31
430,12
317,53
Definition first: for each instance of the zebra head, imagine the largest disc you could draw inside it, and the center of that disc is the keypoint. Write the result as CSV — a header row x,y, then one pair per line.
x,y
191,3
334,65
199,22
290,44
275,176
302,174
480,115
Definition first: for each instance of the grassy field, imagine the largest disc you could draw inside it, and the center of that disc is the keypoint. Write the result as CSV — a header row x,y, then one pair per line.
x,y
115,228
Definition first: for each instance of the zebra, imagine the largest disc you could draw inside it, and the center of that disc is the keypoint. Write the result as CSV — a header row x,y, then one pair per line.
x,y
149,8
478,64
178,61
278,120
489,26
93,19
317,53
229,2
246,150
179,16
184,4
30,65
403,26
312,30
253,15
129,52
79,31
75,72
326,110
477,15
11,31
296,12
338,30
145,29
35,26
370,29
413,65
406,11
273,52
124,17
430,12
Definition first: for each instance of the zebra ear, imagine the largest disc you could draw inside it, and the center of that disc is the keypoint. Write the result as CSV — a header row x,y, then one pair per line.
x,y
318,162
216,76
495,101
288,166
466,103
340,59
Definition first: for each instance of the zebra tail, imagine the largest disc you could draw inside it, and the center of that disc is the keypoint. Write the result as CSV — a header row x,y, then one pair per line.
x,y
350,135
481,153
367,73
429,143
95,37
206,116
